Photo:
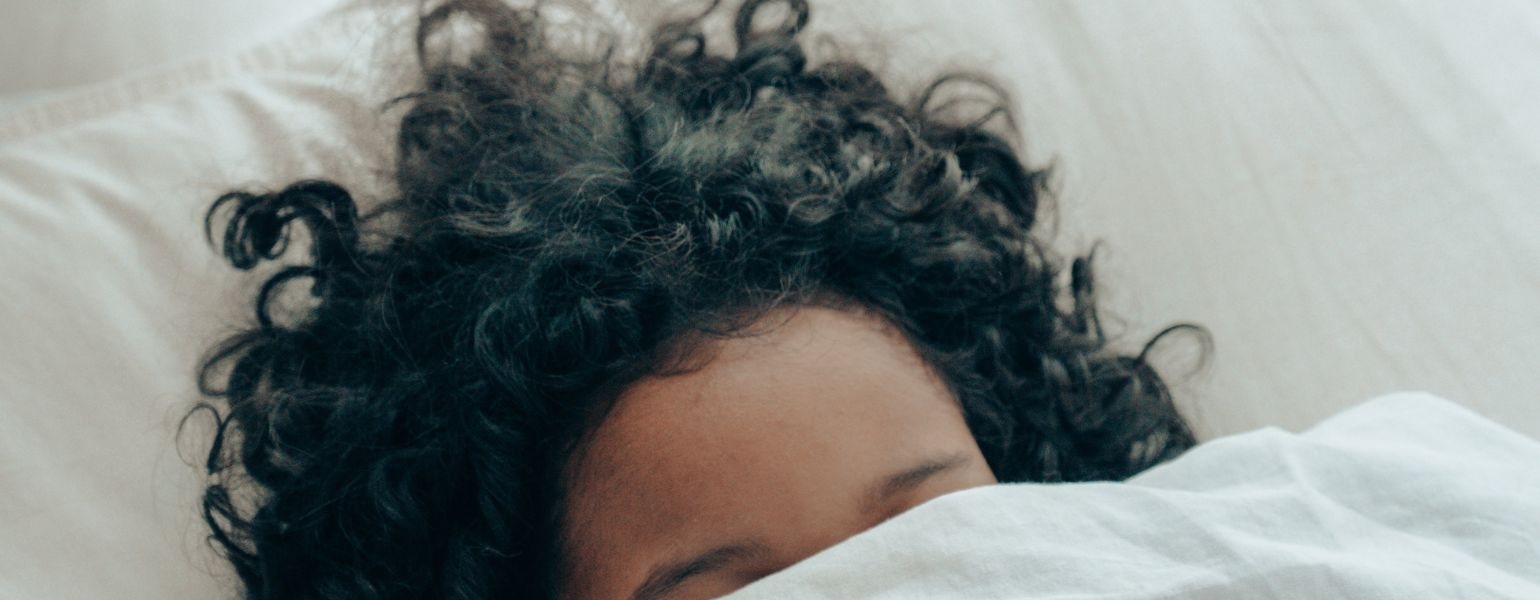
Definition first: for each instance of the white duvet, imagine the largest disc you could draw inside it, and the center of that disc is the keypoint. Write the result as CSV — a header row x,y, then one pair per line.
x,y
1406,496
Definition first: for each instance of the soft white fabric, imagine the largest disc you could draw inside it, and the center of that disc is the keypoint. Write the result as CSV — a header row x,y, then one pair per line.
x,y
1405,497
53,44
109,294
1343,192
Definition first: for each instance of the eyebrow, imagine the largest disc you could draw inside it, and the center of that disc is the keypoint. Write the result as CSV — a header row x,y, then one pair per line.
x,y
911,478
667,577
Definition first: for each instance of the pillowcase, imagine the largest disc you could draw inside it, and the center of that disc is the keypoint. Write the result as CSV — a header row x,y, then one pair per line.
x,y
111,295
54,45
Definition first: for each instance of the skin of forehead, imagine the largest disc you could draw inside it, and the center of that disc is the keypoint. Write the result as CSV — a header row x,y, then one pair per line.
x,y
763,419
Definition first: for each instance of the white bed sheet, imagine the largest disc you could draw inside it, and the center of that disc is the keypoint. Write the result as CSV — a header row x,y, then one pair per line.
x,y
1341,192
1406,497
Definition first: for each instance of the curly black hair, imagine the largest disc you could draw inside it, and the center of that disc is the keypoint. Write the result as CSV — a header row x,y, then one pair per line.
x,y
562,222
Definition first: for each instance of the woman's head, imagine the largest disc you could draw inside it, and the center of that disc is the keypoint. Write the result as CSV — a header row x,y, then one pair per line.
x,y
620,316
778,444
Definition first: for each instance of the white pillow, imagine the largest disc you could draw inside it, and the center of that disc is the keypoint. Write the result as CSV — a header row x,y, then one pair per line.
x,y
111,294
51,45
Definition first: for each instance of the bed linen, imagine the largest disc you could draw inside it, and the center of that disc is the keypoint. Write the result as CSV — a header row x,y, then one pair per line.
x,y
46,48
1405,497
1343,193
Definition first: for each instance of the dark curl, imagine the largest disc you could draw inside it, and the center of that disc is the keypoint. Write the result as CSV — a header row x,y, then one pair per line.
x,y
563,221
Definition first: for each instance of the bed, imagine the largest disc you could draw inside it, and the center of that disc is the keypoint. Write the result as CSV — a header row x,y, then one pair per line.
x,y
1342,193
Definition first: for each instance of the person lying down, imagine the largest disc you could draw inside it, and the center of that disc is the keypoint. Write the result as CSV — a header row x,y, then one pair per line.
x,y
660,328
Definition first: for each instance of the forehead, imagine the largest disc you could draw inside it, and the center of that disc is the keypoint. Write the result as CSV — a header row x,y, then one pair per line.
x,y
770,429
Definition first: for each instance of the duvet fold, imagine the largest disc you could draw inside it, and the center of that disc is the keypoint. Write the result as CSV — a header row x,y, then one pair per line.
x,y
1405,496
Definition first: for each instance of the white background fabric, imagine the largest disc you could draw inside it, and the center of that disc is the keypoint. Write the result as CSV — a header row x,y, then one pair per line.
x,y
1346,194
48,46
1406,497
1342,192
